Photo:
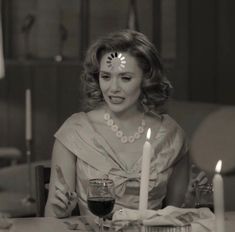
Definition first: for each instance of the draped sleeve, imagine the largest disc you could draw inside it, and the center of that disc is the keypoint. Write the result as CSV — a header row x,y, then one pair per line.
x,y
170,144
77,135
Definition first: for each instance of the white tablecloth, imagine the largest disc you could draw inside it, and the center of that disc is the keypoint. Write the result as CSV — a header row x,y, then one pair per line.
x,y
37,224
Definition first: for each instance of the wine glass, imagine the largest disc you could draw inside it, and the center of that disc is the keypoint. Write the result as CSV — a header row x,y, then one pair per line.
x,y
101,198
204,196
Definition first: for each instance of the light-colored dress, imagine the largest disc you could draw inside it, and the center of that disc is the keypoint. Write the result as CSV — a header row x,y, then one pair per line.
x,y
95,158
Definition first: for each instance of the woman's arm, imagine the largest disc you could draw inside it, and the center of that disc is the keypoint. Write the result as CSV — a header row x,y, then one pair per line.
x,y
58,204
178,182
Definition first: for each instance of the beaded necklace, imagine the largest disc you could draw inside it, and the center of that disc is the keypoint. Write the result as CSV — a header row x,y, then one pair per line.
x,y
119,133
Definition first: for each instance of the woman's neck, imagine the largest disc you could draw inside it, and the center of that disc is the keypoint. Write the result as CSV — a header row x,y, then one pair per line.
x,y
127,115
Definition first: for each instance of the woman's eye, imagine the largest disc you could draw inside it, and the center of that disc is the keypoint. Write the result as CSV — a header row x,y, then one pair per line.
x,y
126,78
105,77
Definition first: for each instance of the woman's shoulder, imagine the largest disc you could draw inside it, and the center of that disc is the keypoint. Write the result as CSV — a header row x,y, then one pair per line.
x,y
164,123
75,117
171,122
171,135
77,123
96,116
164,119
83,120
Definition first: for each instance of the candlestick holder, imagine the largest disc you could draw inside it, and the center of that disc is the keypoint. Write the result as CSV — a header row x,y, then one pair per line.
x,y
28,199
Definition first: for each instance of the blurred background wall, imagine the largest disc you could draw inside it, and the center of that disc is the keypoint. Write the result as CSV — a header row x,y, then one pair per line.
x,y
45,40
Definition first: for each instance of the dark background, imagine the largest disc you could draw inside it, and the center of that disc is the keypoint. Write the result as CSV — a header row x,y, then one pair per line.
x,y
194,38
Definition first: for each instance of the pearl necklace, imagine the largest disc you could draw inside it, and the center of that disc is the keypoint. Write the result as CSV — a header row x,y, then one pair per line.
x,y
119,133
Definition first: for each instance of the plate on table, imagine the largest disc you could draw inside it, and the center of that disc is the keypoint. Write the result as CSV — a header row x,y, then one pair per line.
x,y
167,228
107,223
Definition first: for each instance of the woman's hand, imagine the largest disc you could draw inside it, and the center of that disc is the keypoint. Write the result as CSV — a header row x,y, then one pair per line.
x,y
65,200
197,178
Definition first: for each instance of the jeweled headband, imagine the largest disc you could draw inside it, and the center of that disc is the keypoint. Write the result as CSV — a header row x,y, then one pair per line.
x,y
116,60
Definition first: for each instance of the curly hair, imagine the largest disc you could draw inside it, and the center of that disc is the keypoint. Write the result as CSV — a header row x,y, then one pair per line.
x,y
155,89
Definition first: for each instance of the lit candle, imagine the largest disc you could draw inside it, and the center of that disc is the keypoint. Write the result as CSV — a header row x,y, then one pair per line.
x,y
144,182
28,115
218,198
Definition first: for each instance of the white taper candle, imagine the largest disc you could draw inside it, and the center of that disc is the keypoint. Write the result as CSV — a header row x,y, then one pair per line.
x,y
218,186
28,115
144,182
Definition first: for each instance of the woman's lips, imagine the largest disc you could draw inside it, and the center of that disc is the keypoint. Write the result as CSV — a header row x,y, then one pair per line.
x,y
116,99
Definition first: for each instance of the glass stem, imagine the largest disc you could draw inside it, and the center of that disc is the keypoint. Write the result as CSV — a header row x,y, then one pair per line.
x,y
101,226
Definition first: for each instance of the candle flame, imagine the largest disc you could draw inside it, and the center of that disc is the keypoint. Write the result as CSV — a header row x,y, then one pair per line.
x,y
148,134
218,166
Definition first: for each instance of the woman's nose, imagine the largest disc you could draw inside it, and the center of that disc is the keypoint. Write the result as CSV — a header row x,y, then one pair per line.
x,y
114,86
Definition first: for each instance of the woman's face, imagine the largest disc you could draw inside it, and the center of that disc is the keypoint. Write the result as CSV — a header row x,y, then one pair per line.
x,y
120,80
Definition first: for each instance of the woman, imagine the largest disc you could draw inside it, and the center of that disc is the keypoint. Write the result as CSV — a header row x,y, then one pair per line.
x,y
126,88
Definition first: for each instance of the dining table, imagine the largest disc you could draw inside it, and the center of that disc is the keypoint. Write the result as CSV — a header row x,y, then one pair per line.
x,y
15,205
51,224
87,223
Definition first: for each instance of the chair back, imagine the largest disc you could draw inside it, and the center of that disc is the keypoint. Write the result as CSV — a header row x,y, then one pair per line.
x,y
42,175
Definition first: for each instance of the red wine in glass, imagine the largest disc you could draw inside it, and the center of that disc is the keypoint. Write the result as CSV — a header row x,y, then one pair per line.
x,y
101,206
101,198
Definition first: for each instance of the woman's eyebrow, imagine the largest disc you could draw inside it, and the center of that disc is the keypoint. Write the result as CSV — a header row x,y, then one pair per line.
x,y
120,74
104,72
126,73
